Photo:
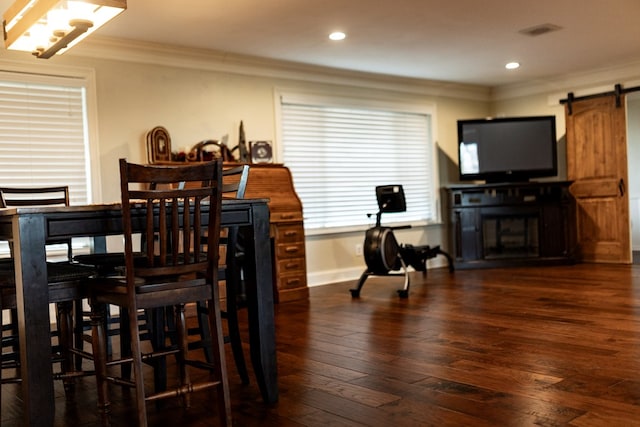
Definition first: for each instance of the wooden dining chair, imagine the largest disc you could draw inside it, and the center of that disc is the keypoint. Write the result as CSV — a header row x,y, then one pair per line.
x,y
66,290
159,322
174,271
13,197
234,185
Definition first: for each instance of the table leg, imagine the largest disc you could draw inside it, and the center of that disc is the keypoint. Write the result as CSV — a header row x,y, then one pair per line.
x,y
32,298
262,335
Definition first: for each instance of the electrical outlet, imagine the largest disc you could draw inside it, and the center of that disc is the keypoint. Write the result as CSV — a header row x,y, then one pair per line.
x,y
359,249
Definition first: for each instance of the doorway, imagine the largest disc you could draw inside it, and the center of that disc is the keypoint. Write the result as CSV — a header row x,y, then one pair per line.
x,y
633,142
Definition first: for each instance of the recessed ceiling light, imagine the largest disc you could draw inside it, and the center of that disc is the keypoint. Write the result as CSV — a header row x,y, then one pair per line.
x,y
512,65
337,35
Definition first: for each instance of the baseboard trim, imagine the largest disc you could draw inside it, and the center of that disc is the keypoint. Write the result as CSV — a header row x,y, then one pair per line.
x,y
343,275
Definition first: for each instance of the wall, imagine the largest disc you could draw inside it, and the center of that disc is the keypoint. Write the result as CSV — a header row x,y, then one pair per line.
x,y
199,98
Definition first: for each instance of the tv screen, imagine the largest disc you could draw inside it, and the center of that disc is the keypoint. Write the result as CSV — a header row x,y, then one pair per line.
x,y
510,149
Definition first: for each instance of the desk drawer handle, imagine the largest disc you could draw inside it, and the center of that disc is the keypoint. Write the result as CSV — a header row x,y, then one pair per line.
x,y
292,281
292,265
290,233
292,249
287,216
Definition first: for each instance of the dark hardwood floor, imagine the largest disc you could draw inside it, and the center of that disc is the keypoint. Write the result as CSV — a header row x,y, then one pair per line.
x,y
549,346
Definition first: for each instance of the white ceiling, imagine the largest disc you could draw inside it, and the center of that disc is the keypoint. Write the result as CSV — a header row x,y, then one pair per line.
x,y
466,41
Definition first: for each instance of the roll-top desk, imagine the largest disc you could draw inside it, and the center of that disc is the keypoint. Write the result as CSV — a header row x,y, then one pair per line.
x,y
274,182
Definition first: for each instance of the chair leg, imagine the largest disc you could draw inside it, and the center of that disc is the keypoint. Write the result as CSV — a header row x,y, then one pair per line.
x,y
65,339
181,337
14,330
107,322
155,320
78,331
235,339
136,354
125,342
99,347
202,315
220,372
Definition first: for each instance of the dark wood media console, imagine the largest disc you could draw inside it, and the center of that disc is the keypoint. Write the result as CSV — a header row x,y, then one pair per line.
x,y
497,225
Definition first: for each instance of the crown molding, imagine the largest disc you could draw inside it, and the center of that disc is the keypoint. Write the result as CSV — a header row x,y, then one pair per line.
x,y
176,56
583,83
554,87
15,62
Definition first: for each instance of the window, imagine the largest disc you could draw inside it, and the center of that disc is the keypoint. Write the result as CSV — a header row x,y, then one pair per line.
x,y
44,134
338,152
43,137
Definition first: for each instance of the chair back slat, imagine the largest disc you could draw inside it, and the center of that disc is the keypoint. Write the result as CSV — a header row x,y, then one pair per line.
x,y
35,196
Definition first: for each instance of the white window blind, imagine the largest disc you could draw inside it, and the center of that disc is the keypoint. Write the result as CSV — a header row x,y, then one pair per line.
x,y
338,155
43,136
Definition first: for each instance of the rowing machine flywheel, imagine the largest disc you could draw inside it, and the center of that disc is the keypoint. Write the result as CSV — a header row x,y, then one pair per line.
x,y
381,250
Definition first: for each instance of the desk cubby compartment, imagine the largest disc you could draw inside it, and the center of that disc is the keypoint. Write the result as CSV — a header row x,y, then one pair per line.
x,y
496,225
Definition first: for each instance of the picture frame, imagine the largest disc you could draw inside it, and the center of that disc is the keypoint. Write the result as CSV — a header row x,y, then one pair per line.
x,y
261,151
158,145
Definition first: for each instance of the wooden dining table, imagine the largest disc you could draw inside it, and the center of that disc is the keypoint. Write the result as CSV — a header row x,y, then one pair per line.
x,y
30,228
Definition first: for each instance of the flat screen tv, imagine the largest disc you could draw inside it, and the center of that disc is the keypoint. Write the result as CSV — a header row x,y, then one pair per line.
x,y
512,149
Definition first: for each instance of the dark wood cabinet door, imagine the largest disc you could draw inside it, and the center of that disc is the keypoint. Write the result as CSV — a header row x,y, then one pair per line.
x,y
467,234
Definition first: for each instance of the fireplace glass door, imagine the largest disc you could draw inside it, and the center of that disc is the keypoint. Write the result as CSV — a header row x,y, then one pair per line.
x,y
512,236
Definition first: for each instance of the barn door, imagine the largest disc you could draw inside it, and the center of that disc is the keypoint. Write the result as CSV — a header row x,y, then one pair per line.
x,y
597,163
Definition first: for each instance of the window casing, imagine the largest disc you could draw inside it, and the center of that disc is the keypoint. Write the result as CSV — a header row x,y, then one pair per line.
x,y
338,151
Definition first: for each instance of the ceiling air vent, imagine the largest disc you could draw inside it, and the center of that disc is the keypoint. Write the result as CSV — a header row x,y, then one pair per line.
x,y
539,30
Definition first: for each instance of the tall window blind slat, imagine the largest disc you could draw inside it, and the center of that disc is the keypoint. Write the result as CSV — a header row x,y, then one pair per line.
x,y
43,137
338,155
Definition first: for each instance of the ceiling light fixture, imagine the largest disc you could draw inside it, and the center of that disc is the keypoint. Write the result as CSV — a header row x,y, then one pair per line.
x,y
337,36
47,27
512,65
